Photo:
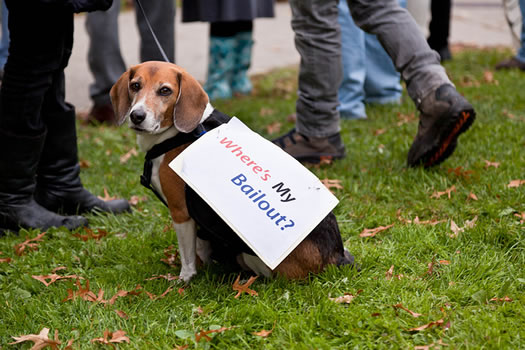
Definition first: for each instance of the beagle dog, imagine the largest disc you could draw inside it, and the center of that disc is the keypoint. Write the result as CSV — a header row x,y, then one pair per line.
x,y
168,108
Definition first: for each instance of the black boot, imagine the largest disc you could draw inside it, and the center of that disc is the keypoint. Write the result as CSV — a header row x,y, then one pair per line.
x,y
18,209
59,188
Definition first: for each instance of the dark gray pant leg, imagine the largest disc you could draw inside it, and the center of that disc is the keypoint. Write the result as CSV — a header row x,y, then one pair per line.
x,y
161,16
318,41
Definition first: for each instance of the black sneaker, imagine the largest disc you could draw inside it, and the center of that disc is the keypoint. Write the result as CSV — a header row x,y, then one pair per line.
x,y
309,149
445,114
510,63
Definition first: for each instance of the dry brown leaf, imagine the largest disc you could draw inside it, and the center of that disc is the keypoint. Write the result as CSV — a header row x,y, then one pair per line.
x,y
91,235
346,298
405,118
181,347
53,278
122,314
69,345
430,268
172,256
116,337
123,293
489,164
505,299
244,288
379,132
332,183
400,306
444,262
128,155
107,197
156,297
168,277
516,183
40,340
28,245
473,196
266,112
292,118
263,333
59,268
204,334
134,200
439,344
274,128
488,77
84,293
456,229
4,260
448,191
428,325
389,273
84,164
417,221
521,216
371,232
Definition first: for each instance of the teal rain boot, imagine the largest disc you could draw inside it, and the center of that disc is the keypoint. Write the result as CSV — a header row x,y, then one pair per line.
x,y
220,67
241,83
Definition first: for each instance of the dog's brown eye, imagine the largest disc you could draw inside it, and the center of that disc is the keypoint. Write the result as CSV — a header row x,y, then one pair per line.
x,y
134,86
164,91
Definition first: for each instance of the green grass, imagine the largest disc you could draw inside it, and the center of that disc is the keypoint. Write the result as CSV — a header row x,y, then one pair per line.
x,y
487,261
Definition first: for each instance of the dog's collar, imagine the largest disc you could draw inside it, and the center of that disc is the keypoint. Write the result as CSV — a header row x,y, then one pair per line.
x,y
215,119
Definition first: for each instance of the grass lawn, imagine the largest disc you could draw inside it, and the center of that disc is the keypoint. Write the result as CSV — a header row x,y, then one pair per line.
x,y
458,259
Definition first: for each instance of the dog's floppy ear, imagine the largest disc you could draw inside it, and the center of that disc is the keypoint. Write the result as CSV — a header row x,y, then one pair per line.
x,y
120,96
191,103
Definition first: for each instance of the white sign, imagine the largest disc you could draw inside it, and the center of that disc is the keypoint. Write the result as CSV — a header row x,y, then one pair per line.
x,y
266,196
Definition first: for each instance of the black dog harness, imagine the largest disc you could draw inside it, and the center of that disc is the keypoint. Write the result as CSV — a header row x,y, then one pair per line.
x,y
215,119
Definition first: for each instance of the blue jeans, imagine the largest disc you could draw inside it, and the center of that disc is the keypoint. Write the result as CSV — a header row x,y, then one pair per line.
x,y
521,52
318,41
369,76
4,42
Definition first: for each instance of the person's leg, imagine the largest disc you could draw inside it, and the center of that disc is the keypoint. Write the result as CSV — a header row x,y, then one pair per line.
x,y
240,82
161,16
104,59
439,27
221,60
382,83
318,41
351,91
445,114
518,61
34,57
4,42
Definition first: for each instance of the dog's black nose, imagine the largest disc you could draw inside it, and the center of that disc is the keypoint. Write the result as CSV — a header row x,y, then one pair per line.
x,y
137,116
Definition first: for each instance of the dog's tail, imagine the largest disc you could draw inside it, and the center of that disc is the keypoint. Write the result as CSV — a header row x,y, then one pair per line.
x,y
348,259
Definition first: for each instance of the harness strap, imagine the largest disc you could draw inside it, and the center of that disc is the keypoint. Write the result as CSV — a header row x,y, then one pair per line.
x,y
215,119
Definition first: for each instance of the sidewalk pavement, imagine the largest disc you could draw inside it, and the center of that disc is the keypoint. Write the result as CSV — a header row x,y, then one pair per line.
x,y
477,22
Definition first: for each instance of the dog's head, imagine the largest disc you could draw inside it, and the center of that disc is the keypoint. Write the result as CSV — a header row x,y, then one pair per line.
x,y
153,96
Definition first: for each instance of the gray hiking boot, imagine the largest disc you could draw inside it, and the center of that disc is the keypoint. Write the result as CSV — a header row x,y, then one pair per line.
x,y
445,114
309,149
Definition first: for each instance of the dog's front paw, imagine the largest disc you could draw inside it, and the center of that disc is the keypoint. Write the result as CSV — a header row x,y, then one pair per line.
x,y
186,274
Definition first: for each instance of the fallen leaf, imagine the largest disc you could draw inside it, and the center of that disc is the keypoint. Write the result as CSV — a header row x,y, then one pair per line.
x,y
346,298
53,278
473,196
168,277
156,297
28,245
428,325
40,340
456,229
122,314
4,260
107,197
489,164
379,132
91,235
430,268
417,221
128,155
266,111
123,293
69,345
134,200
389,273
488,77
116,337
244,288
59,268
84,293
181,347
263,333
172,256
371,232
292,118
430,346
521,216
84,164
516,183
332,183
274,127
400,306
448,191
444,262
405,118
204,334
505,299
